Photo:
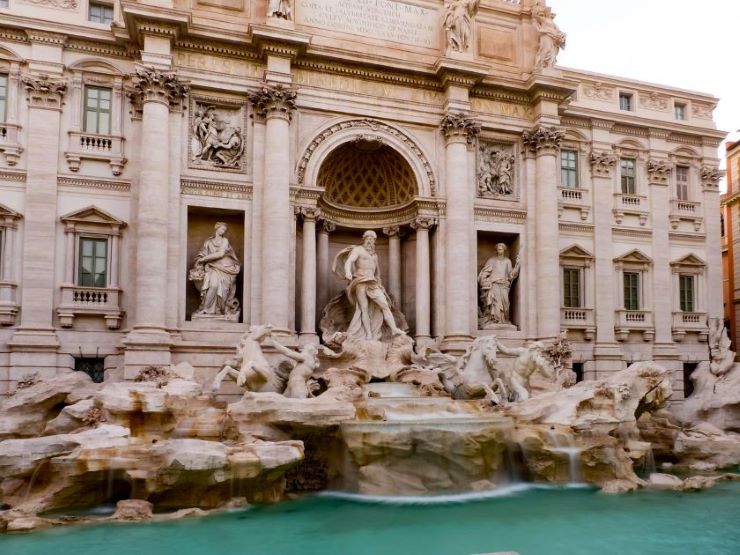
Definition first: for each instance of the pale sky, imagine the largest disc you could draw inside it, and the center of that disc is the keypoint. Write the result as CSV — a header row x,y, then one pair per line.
x,y
682,43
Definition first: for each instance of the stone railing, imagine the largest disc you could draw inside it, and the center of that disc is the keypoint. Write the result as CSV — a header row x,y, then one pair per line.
x,y
634,320
90,301
693,322
578,319
8,303
685,210
571,197
630,204
90,146
10,142
685,206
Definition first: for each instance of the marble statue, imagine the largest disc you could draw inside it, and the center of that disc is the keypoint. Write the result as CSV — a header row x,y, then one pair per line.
x,y
307,362
214,275
249,368
722,358
364,310
495,171
494,283
279,9
542,366
458,24
551,38
215,140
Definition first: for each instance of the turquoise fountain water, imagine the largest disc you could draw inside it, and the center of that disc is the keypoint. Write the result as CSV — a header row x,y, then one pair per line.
x,y
531,521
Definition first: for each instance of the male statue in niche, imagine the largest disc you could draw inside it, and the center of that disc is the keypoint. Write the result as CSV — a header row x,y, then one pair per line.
x,y
494,282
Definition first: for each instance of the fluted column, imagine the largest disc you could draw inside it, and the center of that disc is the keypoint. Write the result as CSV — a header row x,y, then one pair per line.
x,y
544,143
276,104
422,225
308,275
156,90
394,263
460,132
326,227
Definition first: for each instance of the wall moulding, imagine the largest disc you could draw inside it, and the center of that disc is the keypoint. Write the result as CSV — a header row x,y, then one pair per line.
x,y
94,183
491,214
206,188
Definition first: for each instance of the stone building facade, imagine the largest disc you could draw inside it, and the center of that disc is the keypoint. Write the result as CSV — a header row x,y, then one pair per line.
x,y
730,221
131,128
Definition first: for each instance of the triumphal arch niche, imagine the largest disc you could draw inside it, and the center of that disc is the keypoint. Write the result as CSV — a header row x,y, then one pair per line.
x,y
369,176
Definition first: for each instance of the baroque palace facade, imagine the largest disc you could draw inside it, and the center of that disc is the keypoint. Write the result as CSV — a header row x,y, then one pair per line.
x,y
509,196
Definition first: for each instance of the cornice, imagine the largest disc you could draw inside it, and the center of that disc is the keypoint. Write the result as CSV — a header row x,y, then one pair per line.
x,y
583,123
685,139
203,187
366,73
632,233
212,47
693,237
9,175
14,35
498,214
102,49
94,183
502,95
46,37
566,227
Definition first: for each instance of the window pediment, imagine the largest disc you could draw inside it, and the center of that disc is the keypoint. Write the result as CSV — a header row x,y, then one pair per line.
x,y
94,219
575,255
634,259
688,264
8,217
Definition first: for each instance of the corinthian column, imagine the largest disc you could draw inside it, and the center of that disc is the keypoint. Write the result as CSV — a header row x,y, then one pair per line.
x,y
276,104
394,263
326,227
36,331
460,132
308,275
148,343
544,143
422,224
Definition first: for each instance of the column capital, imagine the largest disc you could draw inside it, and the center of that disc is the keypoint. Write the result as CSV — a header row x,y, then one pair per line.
x,y
274,101
154,85
308,213
327,226
658,171
44,91
392,231
424,223
543,140
710,177
460,127
602,163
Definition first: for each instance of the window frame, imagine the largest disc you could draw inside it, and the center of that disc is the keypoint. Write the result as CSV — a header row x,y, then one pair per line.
x,y
626,180
567,296
97,110
636,288
682,185
4,97
96,240
567,170
680,107
687,298
102,6
628,97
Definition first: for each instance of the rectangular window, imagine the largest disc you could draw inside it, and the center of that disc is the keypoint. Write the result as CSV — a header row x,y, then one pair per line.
x,y
631,290
100,13
686,292
571,287
627,175
3,96
682,182
679,111
93,263
97,110
625,102
568,168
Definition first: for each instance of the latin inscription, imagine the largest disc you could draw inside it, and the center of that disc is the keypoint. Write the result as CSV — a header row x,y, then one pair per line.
x,y
360,86
380,19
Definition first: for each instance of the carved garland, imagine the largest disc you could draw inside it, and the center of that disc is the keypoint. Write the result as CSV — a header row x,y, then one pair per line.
x,y
373,125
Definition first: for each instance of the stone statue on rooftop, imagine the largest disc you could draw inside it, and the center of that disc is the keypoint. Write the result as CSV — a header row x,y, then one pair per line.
x,y
552,39
458,23
280,9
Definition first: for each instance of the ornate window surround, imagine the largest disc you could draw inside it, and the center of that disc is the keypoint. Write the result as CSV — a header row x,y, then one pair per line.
x,y
690,209
91,146
577,198
581,318
10,129
8,262
634,320
637,203
696,321
92,301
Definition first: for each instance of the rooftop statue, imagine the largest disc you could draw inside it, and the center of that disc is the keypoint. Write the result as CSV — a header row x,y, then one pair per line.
x,y
458,23
552,39
280,9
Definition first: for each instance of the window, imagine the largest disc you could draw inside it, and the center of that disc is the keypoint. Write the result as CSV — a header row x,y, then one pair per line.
x,y
679,111
571,287
3,96
92,366
682,182
100,13
92,270
625,102
686,292
568,168
627,174
631,290
97,110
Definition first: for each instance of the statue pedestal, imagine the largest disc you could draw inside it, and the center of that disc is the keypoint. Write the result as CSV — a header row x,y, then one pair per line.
x,y
499,327
215,317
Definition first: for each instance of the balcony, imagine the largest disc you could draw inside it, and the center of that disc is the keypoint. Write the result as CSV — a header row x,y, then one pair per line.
x,y
685,210
630,204
89,146
10,142
689,322
634,320
571,197
8,303
90,301
578,319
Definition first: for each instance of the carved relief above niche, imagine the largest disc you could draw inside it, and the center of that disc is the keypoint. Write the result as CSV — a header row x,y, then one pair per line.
x,y
217,134
495,176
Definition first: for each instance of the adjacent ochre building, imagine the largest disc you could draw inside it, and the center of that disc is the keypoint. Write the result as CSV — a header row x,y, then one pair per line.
x,y
130,128
730,214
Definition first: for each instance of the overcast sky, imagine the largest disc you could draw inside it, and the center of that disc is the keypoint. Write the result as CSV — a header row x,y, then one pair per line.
x,y
682,43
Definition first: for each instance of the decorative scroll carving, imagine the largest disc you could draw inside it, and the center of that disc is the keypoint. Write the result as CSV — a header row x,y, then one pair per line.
x,y
602,163
458,23
552,39
424,222
62,4
153,85
495,171
703,111
44,92
543,139
278,101
654,101
460,127
280,9
598,91
710,176
658,171
217,140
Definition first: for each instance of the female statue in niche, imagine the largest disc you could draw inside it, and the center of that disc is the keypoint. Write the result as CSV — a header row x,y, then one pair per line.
x,y
494,282
214,275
